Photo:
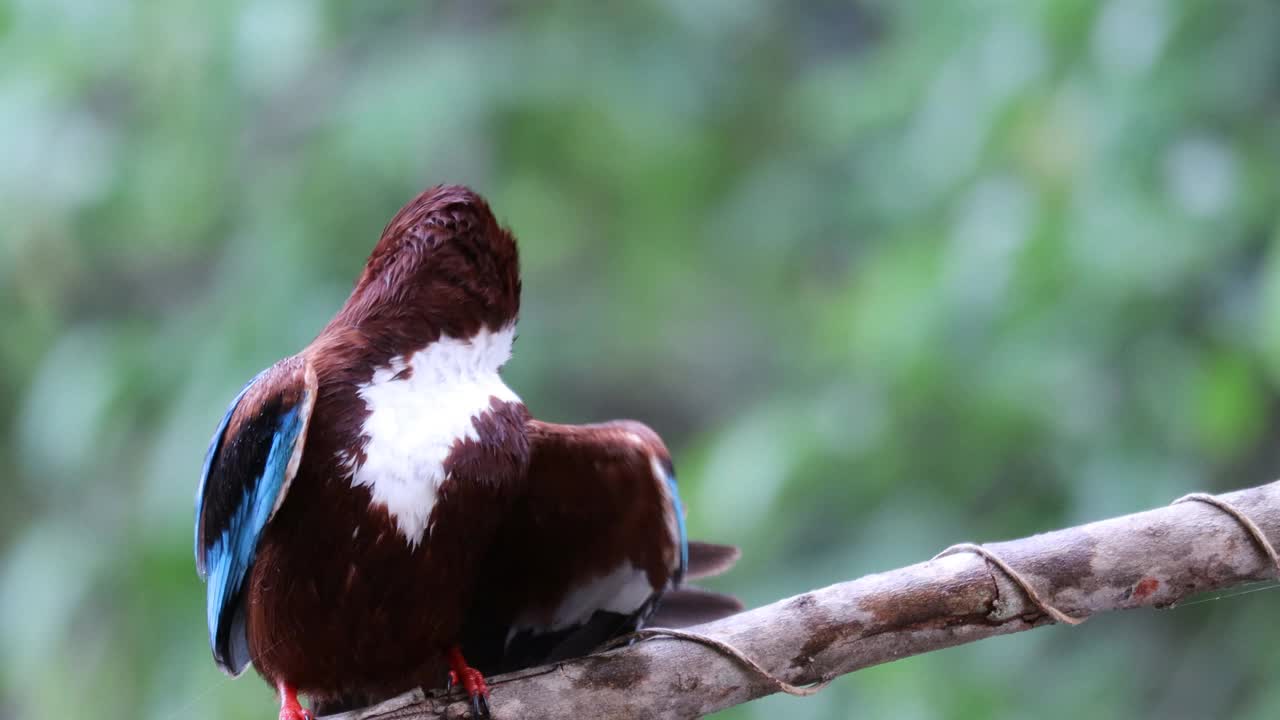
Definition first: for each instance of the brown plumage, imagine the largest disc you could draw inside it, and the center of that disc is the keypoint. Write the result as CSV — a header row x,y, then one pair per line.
x,y
597,499
336,604
380,498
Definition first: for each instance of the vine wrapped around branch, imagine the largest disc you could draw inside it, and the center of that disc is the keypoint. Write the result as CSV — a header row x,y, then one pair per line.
x,y
1149,559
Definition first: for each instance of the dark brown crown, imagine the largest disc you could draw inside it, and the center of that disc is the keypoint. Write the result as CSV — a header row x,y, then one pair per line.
x,y
442,266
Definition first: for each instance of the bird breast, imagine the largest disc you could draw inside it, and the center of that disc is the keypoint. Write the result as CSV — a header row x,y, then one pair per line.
x,y
419,408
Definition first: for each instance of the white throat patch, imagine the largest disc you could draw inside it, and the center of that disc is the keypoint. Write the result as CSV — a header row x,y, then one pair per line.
x,y
414,421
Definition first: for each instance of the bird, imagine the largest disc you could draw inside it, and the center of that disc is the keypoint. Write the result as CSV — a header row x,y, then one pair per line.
x,y
381,512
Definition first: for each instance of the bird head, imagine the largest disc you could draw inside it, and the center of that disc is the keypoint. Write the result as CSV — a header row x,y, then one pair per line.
x,y
443,266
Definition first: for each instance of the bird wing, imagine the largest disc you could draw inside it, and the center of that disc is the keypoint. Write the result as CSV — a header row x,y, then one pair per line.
x,y
250,463
594,541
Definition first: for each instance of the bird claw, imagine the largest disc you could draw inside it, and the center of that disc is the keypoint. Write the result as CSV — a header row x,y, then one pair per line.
x,y
472,682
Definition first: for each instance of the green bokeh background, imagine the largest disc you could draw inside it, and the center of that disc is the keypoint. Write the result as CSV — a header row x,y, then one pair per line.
x,y
886,275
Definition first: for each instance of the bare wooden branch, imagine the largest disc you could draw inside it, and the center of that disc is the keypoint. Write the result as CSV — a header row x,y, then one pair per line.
x,y
1149,559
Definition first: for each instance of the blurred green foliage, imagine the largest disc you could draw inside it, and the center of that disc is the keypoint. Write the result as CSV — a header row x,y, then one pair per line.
x,y
887,275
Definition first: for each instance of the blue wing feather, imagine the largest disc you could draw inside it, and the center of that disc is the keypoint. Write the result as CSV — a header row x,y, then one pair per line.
x,y
678,508
215,445
231,555
245,474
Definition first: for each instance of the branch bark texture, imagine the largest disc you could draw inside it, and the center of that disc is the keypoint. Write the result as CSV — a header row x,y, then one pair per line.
x,y
1149,559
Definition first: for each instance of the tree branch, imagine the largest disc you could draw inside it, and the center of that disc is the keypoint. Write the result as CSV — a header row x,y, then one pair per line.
x,y
1150,559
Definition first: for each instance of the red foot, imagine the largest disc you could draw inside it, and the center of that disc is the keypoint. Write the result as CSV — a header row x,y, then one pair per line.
x,y
471,680
290,708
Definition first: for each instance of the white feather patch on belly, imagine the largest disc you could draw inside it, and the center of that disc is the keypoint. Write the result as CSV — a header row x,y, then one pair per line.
x,y
623,591
414,421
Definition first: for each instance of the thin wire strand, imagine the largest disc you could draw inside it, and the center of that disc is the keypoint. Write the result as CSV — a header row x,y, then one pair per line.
x,y
1044,605
1269,585
727,650
209,687
1255,532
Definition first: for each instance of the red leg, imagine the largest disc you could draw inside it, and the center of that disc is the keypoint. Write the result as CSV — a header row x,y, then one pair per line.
x,y
460,673
290,708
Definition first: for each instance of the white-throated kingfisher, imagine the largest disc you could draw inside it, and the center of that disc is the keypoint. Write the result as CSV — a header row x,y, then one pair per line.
x,y
379,512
